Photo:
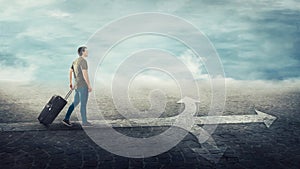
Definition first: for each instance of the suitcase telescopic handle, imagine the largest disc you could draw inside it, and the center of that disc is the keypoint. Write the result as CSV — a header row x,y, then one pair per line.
x,y
68,94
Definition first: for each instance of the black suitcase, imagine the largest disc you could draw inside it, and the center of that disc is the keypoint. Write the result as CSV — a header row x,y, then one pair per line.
x,y
53,108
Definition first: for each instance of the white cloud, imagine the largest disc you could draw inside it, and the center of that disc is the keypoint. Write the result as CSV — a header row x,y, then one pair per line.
x,y
170,5
18,10
45,32
59,14
194,64
264,85
17,74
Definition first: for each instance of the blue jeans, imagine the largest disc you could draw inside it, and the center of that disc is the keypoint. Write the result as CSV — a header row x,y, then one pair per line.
x,y
81,95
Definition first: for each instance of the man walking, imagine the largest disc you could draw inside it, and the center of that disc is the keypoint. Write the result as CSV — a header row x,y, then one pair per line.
x,y
82,86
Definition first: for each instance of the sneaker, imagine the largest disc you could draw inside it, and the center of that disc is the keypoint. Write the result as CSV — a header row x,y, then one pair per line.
x,y
67,123
87,124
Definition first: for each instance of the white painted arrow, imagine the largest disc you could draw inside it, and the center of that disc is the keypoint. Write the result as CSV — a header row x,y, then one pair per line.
x,y
236,119
260,117
169,121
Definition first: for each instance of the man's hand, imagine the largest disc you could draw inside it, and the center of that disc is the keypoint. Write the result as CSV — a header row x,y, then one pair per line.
x,y
89,88
71,86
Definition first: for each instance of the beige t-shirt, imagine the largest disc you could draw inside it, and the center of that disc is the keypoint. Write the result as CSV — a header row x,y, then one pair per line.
x,y
79,64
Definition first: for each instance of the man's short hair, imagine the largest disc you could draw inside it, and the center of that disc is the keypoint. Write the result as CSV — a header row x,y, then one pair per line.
x,y
81,49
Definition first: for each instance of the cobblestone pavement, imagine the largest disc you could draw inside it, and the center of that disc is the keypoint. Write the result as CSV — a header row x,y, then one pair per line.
x,y
250,145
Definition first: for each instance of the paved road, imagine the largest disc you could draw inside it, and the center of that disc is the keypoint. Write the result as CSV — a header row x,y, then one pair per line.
x,y
251,145
247,146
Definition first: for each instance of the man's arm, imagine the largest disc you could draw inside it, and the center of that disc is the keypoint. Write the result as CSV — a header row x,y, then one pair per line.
x,y
86,78
70,77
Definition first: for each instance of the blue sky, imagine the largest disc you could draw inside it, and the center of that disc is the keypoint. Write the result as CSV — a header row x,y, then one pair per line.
x,y
256,40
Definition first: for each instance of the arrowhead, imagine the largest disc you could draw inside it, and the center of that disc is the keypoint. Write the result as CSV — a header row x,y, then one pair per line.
x,y
188,99
268,119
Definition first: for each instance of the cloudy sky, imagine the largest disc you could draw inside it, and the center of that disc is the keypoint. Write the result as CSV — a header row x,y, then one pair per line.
x,y
256,40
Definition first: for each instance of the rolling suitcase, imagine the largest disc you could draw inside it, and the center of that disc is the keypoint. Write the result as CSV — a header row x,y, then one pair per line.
x,y
53,108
